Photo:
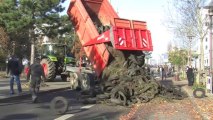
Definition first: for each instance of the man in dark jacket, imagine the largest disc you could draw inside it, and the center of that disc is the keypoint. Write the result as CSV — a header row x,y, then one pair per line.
x,y
190,76
14,68
36,72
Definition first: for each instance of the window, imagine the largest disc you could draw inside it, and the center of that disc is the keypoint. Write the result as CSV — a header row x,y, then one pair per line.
x,y
206,47
206,39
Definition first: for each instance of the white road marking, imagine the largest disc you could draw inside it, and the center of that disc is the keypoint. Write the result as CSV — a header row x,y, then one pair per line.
x,y
5,88
64,117
87,107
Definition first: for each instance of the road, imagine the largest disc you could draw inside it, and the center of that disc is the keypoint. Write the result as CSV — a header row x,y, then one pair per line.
x,y
4,82
26,110
157,109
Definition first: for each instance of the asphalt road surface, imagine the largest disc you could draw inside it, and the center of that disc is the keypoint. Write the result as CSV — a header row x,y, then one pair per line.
x,y
26,110
4,82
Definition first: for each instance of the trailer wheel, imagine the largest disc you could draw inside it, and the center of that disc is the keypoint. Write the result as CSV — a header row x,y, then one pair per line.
x,y
86,81
59,105
74,82
196,91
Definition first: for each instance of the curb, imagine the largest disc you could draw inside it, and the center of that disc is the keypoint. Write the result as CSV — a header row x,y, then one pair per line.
x,y
27,95
191,97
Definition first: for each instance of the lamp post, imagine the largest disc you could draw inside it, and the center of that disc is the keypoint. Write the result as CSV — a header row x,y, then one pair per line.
x,y
190,49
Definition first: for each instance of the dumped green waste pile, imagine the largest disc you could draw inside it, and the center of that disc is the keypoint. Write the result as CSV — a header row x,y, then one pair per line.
x,y
127,81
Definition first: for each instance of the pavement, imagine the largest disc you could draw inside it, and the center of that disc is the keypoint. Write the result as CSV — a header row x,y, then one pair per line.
x,y
190,108
45,88
204,106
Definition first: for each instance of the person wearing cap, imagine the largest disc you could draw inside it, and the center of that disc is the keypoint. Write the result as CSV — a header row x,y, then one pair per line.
x,y
36,73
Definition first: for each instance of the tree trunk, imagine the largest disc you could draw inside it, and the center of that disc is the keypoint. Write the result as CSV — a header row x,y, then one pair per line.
x,y
201,65
32,56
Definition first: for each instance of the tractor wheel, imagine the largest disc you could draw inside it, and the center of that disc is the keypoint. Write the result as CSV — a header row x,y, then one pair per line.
x,y
49,69
197,91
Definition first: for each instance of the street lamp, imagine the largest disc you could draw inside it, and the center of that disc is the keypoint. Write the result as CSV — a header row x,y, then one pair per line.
x,y
190,49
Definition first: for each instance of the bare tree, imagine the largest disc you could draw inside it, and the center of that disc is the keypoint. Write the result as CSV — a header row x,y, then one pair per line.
x,y
187,19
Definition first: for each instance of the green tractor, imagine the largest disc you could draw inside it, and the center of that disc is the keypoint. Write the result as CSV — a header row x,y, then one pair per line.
x,y
54,59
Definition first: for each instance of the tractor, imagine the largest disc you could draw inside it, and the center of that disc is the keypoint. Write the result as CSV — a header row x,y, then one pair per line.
x,y
54,59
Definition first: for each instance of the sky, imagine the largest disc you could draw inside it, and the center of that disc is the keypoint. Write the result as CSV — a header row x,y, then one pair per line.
x,y
151,11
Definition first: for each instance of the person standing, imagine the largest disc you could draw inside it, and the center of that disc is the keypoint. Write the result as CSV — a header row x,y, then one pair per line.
x,y
36,72
163,73
166,69
190,76
14,69
158,70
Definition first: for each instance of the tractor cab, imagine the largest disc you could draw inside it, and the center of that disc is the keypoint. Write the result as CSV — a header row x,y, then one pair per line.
x,y
58,50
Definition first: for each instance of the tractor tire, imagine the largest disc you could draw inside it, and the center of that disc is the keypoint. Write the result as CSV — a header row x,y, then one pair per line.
x,y
49,69
203,93
59,105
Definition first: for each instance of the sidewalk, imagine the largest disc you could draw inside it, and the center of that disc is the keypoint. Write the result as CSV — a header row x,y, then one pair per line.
x,y
204,106
47,87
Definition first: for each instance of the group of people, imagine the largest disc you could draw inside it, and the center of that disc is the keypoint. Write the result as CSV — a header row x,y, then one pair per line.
x,y
35,72
189,73
165,71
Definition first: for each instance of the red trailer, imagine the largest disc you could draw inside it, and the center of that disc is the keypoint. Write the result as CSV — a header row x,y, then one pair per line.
x,y
123,34
115,47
